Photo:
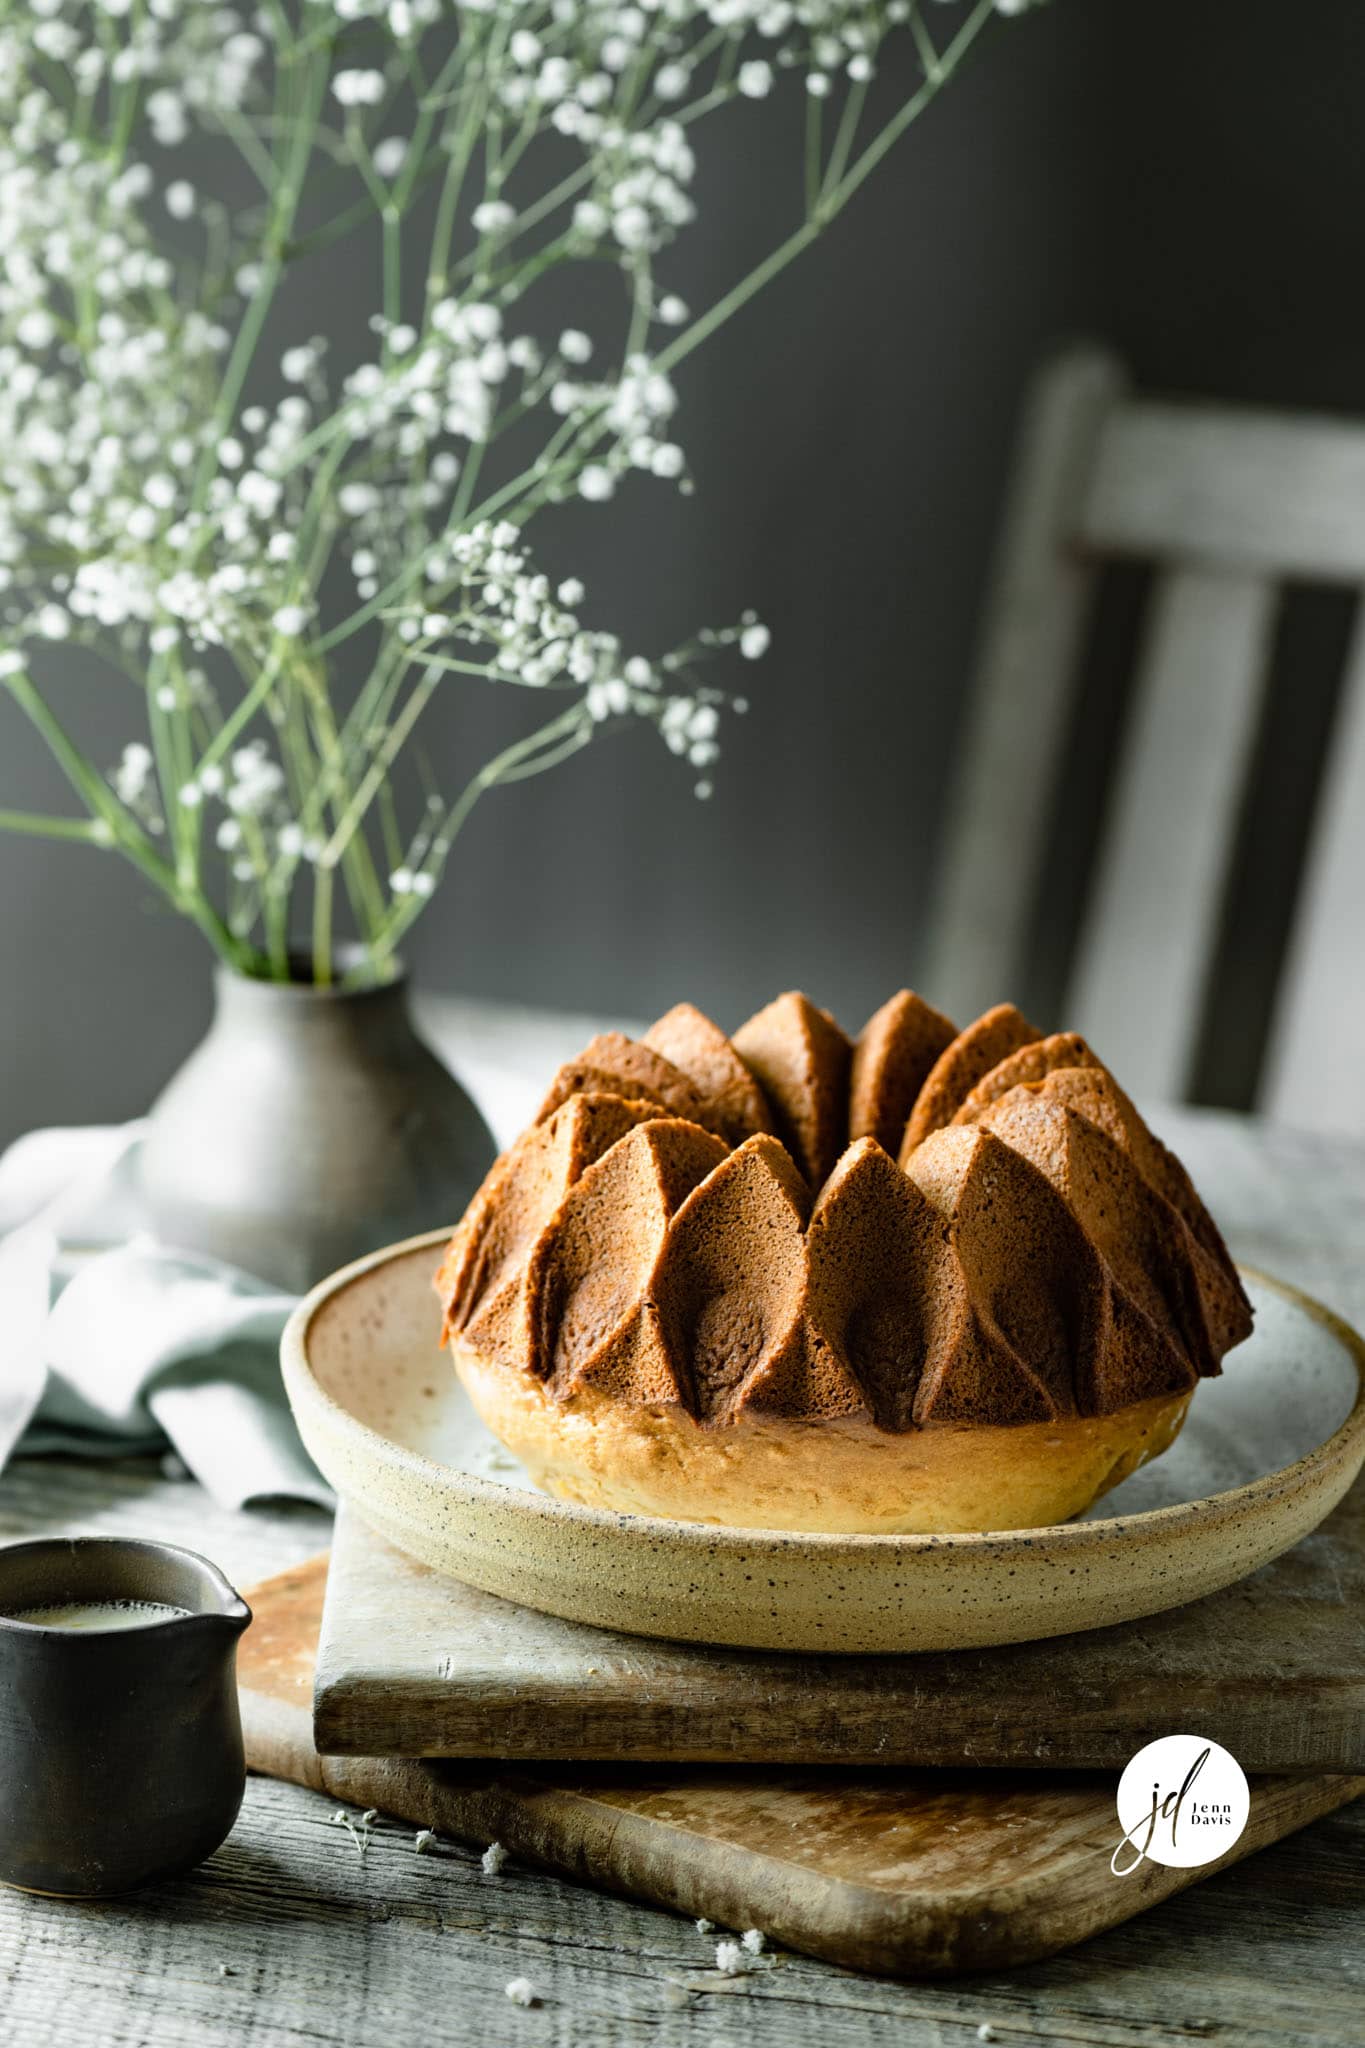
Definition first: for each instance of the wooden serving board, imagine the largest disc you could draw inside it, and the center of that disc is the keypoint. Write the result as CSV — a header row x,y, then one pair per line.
x,y
412,1663
909,1874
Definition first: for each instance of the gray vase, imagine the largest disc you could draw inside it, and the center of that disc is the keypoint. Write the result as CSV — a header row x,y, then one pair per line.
x,y
311,1125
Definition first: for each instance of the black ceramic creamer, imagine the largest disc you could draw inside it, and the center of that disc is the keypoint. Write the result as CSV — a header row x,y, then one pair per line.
x,y
120,1738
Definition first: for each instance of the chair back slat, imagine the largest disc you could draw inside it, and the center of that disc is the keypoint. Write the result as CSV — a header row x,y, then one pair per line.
x,y
1152,916
1249,490
999,812
1315,1065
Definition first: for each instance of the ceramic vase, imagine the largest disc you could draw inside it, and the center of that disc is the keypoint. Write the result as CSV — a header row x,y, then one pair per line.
x,y
310,1126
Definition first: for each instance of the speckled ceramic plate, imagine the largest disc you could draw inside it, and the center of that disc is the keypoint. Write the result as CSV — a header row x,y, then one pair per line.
x,y
1268,1451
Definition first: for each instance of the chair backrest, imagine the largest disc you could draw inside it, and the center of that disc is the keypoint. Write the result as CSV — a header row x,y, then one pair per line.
x,y
1227,505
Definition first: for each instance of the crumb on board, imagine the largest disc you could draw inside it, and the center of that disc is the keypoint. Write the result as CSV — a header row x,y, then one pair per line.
x,y
986,2032
706,1927
729,1958
226,1970
493,1859
423,1840
521,1991
754,1941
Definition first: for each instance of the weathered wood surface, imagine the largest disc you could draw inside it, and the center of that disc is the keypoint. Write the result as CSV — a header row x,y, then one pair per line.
x,y
911,1873
415,1664
325,1946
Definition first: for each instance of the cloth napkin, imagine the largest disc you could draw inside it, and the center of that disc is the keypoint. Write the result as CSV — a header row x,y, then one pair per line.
x,y
113,1344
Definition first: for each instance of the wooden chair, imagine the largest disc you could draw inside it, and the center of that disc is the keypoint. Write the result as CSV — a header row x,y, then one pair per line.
x,y
1227,505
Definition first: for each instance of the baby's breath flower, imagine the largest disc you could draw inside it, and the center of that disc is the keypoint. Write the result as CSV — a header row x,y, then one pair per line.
x,y
358,88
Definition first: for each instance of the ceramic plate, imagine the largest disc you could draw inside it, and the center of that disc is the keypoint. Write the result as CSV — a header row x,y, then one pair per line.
x,y
1268,1451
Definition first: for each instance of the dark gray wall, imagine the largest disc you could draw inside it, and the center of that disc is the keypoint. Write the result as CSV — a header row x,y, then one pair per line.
x,y
1183,181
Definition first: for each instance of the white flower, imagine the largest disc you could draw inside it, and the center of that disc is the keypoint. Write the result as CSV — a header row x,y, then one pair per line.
x,y
755,79
358,88
289,841
55,624
297,364
356,499
817,85
260,494
190,796
668,460
754,642
290,619
390,155
859,68
672,310
493,216
400,881
596,483
632,227
571,592
180,198
590,218
574,345
671,81
228,835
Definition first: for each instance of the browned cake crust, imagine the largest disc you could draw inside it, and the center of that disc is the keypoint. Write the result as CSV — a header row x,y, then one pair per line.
x,y
800,1059
960,1067
700,1049
1037,1262
892,1059
613,1064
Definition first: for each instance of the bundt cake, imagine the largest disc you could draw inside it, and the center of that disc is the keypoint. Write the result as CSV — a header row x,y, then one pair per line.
x,y
935,1280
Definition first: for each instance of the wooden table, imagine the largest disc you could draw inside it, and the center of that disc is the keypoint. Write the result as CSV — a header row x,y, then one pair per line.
x,y
289,1937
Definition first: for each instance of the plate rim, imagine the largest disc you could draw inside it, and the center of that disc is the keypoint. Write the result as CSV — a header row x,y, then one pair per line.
x,y
1209,1509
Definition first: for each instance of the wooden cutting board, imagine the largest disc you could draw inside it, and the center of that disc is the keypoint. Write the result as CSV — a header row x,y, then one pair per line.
x,y
415,1664
905,1873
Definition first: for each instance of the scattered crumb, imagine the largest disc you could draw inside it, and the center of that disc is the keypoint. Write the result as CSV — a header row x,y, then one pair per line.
x,y
226,1970
521,1991
706,1927
423,1840
729,1958
986,2032
754,1941
494,1856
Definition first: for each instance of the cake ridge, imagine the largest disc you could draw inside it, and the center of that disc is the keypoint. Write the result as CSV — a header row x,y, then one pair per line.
x,y
1033,1253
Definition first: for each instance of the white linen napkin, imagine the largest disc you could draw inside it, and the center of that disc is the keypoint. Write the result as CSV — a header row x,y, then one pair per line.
x,y
111,1343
